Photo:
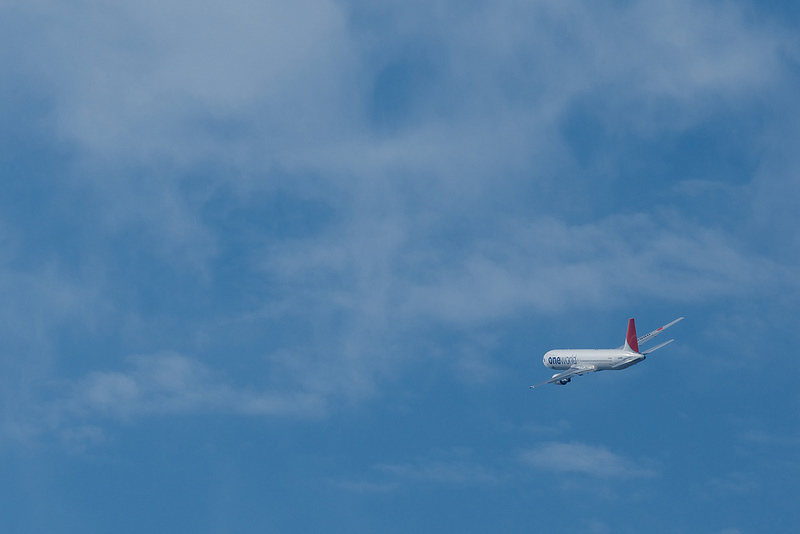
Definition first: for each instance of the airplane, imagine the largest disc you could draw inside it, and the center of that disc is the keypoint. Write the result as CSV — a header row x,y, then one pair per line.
x,y
576,362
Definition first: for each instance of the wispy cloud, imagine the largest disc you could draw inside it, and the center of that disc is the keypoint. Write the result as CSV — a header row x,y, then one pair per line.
x,y
466,211
579,458
457,472
457,468
170,383
548,265
365,487
460,468
734,483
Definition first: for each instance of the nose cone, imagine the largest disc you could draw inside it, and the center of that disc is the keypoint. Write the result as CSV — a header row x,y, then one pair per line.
x,y
544,358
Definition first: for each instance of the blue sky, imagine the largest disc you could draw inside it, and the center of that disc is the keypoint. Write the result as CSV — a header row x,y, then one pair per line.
x,y
290,267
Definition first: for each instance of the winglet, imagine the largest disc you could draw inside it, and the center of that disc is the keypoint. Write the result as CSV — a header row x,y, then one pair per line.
x,y
630,339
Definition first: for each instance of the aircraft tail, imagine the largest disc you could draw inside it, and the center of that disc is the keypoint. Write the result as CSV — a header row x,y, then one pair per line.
x,y
630,339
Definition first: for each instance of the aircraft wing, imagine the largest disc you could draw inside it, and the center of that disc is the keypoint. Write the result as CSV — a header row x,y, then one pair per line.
x,y
647,337
575,370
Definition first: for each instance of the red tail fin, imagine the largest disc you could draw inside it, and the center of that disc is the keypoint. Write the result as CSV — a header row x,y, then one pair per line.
x,y
630,339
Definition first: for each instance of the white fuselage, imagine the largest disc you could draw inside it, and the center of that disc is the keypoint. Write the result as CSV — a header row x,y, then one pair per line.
x,y
600,359
576,362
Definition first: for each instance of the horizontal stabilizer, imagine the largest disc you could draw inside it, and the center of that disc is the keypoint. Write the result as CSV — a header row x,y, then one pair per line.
x,y
648,351
647,337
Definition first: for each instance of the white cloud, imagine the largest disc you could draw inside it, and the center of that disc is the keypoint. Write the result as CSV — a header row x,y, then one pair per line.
x,y
165,104
169,383
734,483
583,459
457,472
365,487
151,91
141,80
147,80
40,300
546,266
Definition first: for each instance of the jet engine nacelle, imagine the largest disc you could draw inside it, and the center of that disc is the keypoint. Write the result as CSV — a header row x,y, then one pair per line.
x,y
562,382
